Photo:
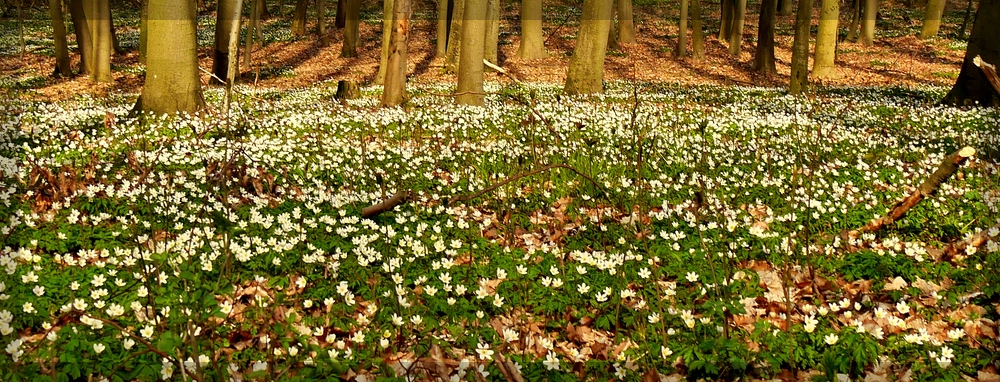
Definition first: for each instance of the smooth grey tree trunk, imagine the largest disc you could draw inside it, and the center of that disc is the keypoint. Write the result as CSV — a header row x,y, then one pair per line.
x,y
172,83
586,67
470,64
62,68
799,81
532,44
394,89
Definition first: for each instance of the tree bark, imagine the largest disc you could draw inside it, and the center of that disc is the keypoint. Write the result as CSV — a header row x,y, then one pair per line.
x,y
387,14
826,39
868,23
83,39
932,18
532,44
352,15
763,58
965,21
442,29
455,37
683,30
726,19
736,38
321,22
492,38
785,7
470,64
972,87
227,18
586,67
172,83
98,14
852,31
252,25
799,81
613,30
298,18
340,20
394,89
626,25
62,68
697,33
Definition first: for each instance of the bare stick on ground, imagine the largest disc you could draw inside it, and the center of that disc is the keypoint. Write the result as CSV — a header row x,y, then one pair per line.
x,y
398,198
948,167
990,71
968,246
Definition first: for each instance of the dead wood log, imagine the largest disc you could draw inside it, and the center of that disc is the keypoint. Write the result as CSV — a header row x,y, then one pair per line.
x,y
386,205
948,167
507,368
968,246
990,71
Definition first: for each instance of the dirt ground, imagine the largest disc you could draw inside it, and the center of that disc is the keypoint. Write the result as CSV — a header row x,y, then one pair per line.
x,y
903,60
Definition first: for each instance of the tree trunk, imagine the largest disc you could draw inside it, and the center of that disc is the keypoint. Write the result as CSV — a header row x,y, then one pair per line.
x,y
387,14
227,18
965,21
394,89
683,30
972,86
799,81
586,67
340,20
98,14
613,30
626,25
352,15
763,58
826,39
82,30
736,38
252,24
442,28
62,68
172,83
852,31
470,64
868,26
298,18
932,18
785,7
697,34
455,37
532,44
321,22
726,20
143,30
492,37
115,44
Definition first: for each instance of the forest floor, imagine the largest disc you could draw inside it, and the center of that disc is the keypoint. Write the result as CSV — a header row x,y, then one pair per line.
x,y
898,57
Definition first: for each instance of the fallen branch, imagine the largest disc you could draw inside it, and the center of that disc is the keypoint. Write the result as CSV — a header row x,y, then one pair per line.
x,y
386,205
968,246
465,198
948,167
990,71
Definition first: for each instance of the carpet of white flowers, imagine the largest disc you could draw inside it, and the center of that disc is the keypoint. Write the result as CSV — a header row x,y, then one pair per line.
x,y
650,233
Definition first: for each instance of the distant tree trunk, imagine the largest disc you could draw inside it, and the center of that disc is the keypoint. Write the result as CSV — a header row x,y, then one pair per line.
x,y
682,34
172,83
492,37
394,89
826,39
868,26
932,18
455,37
62,68
972,86
532,36
470,64
965,21
736,38
99,20
321,22
340,20
626,25
785,7
613,30
852,31
81,27
252,24
586,67
352,15
726,20
387,14
763,58
298,18
799,81
227,18
143,30
442,28
697,34
115,43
